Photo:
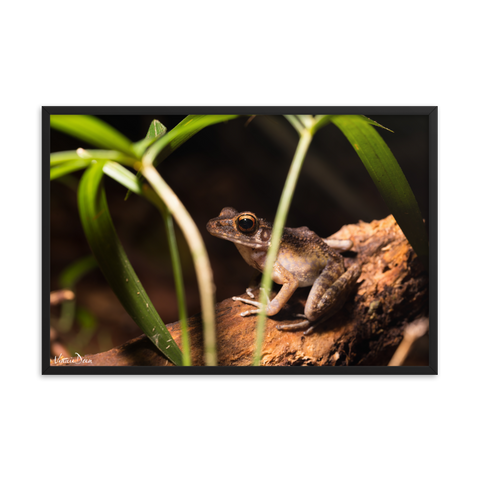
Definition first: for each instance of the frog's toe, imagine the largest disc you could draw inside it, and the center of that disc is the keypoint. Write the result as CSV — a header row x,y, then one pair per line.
x,y
248,291
310,330
247,301
294,327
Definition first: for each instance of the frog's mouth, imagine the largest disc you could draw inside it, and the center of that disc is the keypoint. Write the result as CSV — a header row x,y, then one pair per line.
x,y
238,239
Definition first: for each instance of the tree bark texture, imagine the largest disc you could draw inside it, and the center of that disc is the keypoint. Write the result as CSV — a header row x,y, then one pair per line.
x,y
391,292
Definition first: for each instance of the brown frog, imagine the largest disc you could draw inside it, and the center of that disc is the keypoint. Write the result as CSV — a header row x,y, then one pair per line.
x,y
304,259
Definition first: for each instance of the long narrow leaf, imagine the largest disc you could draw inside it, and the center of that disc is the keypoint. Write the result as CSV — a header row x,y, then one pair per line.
x,y
388,178
128,179
278,225
75,271
201,262
113,261
186,129
68,279
68,167
94,131
156,131
57,158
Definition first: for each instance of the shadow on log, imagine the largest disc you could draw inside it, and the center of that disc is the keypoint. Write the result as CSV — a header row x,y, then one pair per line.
x,y
392,291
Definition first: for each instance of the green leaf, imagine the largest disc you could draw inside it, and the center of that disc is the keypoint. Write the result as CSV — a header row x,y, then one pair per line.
x,y
302,122
123,176
320,122
388,178
186,129
128,179
69,167
57,158
376,124
76,270
278,225
113,262
155,131
63,163
94,131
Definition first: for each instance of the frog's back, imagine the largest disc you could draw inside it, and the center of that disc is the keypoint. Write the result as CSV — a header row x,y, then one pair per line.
x,y
303,253
304,240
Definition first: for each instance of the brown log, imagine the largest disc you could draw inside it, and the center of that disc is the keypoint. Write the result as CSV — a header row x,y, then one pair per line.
x,y
392,291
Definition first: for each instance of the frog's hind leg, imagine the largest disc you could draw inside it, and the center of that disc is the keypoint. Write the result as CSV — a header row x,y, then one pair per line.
x,y
333,299
323,302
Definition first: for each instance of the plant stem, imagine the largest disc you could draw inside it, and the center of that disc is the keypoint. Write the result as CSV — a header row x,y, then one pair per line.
x,y
278,225
199,256
178,278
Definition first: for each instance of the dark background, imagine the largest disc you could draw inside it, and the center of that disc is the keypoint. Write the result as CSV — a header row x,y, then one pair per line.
x,y
241,163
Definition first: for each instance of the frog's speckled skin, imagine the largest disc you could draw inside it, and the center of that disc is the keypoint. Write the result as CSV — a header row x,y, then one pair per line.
x,y
303,259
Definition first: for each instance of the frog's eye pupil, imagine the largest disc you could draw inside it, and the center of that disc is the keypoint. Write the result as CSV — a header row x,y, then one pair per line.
x,y
247,224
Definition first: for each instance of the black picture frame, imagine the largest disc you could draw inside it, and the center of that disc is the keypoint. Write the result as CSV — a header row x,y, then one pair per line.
x,y
432,111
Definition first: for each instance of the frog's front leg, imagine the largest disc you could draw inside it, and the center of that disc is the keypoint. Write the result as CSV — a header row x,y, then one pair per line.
x,y
289,285
326,298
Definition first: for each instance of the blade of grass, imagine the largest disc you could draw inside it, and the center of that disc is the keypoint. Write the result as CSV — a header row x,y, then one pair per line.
x,y
376,124
94,131
155,131
199,256
388,178
320,121
113,262
69,277
179,286
69,167
128,179
58,158
154,155
186,129
63,163
278,225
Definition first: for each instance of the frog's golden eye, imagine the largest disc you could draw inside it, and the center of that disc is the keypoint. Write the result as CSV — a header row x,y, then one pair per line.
x,y
247,223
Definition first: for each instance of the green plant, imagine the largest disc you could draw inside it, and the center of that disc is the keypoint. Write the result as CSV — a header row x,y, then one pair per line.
x,y
382,167
68,280
99,229
117,154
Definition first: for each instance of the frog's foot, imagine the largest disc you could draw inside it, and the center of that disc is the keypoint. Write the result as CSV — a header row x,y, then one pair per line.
x,y
251,302
295,327
331,302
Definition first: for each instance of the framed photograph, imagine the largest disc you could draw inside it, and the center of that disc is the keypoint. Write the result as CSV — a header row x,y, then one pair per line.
x,y
235,240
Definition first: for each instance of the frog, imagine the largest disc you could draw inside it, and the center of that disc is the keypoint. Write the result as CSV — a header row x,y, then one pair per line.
x,y
303,260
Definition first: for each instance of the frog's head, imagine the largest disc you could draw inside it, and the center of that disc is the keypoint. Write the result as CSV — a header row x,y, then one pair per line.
x,y
243,228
